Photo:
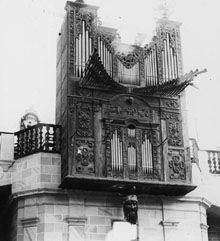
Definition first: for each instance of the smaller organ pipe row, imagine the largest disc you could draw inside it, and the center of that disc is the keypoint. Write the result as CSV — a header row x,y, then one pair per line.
x,y
147,160
131,133
129,76
169,63
105,56
150,67
116,153
83,49
132,156
169,59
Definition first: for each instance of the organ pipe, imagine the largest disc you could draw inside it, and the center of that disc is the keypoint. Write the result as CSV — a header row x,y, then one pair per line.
x,y
83,49
132,162
116,153
105,56
147,160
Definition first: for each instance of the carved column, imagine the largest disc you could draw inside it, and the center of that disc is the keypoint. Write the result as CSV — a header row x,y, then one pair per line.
x,y
98,137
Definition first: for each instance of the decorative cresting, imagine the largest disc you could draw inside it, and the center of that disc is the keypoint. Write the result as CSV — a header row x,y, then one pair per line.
x,y
38,138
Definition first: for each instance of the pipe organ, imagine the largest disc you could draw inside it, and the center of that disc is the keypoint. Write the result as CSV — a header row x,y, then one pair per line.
x,y
116,131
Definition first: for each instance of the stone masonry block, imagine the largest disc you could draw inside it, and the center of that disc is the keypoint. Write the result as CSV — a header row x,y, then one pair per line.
x,y
45,227
61,209
97,236
77,210
27,173
97,220
55,236
103,229
30,211
56,161
104,211
46,161
30,201
45,178
91,211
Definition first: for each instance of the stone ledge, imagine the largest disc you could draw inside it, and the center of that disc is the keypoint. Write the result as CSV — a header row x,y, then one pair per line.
x,y
170,224
29,222
76,221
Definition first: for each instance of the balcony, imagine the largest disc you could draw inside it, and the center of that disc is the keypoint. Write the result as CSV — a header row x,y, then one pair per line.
x,y
38,138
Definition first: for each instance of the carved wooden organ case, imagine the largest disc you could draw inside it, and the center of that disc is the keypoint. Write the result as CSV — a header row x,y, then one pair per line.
x,y
120,108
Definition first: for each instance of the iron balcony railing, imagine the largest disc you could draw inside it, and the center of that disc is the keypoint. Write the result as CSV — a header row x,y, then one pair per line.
x,y
38,138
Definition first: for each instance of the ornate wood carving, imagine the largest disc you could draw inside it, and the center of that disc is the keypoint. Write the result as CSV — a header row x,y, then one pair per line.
x,y
84,120
85,156
132,58
176,161
138,112
107,141
174,128
172,104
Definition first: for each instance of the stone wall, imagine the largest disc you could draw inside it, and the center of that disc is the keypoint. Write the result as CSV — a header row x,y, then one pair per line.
x,y
41,211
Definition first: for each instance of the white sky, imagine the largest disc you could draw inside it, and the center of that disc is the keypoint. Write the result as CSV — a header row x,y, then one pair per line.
x,y
29,31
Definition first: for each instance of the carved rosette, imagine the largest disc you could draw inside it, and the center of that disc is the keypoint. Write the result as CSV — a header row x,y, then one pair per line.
x,y
84,120
174,104
72,105
176,162
85,156
174,128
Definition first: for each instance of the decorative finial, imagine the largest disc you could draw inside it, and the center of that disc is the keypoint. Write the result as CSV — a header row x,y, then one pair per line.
x,y
164,7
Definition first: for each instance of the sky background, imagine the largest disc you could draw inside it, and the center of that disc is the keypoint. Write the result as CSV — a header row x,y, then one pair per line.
x,y
29,30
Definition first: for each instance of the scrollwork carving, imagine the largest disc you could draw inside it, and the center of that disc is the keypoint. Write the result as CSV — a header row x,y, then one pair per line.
x,y
135,112
132,58
85,156
177,169
84,120
172,104
174,128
